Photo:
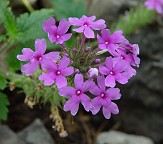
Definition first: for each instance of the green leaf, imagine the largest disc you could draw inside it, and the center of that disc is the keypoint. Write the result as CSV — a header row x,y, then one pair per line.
x,y
69,8
3,82
30,26
4,102
8,19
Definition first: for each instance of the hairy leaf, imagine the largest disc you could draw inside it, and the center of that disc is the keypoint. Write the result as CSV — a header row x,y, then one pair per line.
x,y
4,102
30,26
68,8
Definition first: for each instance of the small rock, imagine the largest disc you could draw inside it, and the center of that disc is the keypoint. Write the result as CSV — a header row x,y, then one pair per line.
x,y
7,136
36,134
115,137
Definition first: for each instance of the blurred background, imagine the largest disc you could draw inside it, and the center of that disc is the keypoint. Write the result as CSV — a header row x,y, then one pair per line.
x,y
141,105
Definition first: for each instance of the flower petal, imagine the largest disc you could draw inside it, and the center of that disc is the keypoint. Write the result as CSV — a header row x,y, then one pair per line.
x,y
95,91
63,27
106,111
52,56
86,102
30,67
67,91
109,63
27,55
89,84
75,21
95,105
101,83
103,70
100,39
49,65
40,46
61,81
48,78
113,108
79,30
88,32
110,81
105,34
66,37
47,24
68,71
71,105
63,63
98,25
113,93
78,81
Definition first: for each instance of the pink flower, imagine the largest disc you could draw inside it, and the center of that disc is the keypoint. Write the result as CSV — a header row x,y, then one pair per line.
x,y
110,42
114,72
37,57
57,34
104,98
87,25
155,5
56,73
77,94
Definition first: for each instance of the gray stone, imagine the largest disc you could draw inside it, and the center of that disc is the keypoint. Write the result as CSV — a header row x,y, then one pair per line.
x,y
36,134
115,137
7,136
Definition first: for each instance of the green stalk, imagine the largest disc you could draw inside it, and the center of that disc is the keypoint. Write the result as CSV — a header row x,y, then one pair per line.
x,y
28,5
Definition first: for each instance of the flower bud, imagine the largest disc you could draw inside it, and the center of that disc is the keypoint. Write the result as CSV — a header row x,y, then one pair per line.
x,y
87,49
93,72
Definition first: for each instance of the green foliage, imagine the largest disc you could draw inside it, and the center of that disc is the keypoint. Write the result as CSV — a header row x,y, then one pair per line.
x,y
4,102
135,19
30,26
3,82
8,19
69,8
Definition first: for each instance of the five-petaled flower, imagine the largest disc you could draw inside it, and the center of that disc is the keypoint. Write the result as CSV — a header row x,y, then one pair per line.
x,y
104,98
77,94
57,34
56,73
87,25
114,72
110,42
37,57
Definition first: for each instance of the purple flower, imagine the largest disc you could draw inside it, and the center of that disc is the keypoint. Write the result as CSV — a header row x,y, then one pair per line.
x,y
77,94
57,34
114,72
110,42
132,50
87,25
56,73
37,57
128,58
104,98
155,4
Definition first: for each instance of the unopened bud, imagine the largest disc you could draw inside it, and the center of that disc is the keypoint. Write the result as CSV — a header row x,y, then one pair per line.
x,y
93,72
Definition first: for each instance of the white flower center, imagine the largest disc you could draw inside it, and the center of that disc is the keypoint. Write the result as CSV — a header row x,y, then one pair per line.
x,y
57,36
106,42
78,92
111,73
122,57
40,58
102,95
58,72
85,25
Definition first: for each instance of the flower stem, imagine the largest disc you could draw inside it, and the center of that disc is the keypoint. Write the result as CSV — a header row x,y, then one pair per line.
x,y
28,5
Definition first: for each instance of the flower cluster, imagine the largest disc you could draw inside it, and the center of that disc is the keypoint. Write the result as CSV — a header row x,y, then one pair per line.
x,y
83,73
155,5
